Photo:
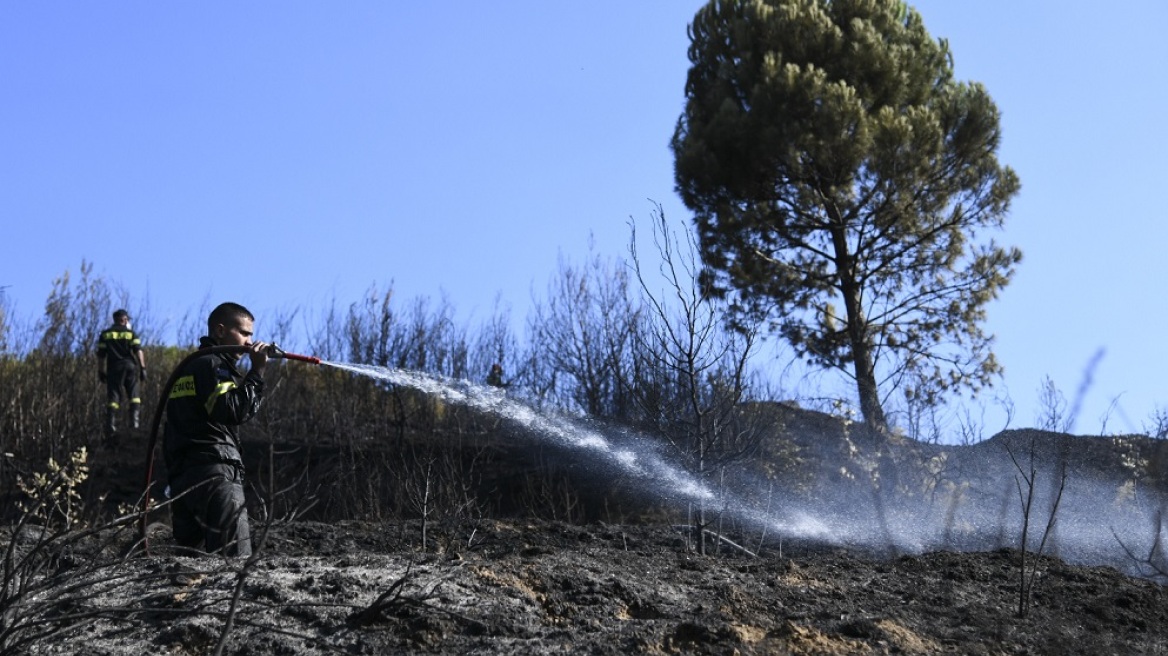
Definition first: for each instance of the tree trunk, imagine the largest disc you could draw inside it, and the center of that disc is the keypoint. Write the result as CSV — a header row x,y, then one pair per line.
x,y
866,385
863,363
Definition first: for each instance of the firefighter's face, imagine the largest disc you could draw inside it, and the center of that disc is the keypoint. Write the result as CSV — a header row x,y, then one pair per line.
x,y
236,334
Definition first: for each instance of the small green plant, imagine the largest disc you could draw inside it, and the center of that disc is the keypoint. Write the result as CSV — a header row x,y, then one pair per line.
x,y
52,494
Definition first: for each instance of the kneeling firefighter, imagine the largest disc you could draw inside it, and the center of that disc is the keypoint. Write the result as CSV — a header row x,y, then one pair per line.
x,y
205,399
209,399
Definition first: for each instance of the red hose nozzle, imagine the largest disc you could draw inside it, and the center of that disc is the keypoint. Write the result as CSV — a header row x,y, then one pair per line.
x,y
311,359
277,352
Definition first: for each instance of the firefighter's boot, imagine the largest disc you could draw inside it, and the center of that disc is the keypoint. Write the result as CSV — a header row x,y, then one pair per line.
x,y
135,415
111,422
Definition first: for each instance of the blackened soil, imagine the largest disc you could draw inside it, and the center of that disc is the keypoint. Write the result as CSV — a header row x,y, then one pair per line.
x,y
536,588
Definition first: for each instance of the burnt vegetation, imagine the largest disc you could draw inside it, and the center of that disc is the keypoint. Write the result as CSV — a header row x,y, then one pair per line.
x,y
655,368
330,445
334,449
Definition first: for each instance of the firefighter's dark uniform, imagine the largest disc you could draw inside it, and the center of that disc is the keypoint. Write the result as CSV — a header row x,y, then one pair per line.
x,y
495,377
209,400
119,347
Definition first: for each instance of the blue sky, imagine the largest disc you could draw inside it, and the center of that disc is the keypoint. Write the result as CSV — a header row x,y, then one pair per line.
x,y
291,154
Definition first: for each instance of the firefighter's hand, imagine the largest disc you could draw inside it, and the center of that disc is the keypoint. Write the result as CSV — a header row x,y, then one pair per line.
x,y
142,374
259,354
101,376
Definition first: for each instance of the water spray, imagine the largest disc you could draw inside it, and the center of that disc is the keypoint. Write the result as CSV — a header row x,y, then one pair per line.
x,y
645,464
273,351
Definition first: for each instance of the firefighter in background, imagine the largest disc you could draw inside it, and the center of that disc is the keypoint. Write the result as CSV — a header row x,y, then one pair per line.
x,y
495,376
121,364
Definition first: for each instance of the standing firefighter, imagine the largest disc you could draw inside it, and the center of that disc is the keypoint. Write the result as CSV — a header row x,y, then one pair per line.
x,y
209,400
120,365
495,376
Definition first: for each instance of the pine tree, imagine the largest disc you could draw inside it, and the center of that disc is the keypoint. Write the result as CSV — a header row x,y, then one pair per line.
x,y
832,161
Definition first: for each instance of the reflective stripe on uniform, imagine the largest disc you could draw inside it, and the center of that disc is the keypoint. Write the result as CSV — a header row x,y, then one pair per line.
x,y
220,390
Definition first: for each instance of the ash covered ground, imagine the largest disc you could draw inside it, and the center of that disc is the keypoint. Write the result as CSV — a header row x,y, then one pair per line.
x,y
539,587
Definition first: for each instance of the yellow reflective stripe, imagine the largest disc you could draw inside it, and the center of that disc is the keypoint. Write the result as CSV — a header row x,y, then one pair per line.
x,y
114,334
184,386
114,405
220,390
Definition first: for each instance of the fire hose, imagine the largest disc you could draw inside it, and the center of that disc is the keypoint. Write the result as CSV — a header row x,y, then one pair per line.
x,y
273,352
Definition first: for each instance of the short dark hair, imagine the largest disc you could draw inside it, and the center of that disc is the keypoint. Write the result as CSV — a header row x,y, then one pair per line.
x,y
227,314
119,314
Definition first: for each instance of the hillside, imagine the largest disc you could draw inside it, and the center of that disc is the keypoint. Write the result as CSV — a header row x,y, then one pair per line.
x,y
868,545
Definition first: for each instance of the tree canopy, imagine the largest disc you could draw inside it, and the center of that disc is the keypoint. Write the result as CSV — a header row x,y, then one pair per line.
x,y
843,182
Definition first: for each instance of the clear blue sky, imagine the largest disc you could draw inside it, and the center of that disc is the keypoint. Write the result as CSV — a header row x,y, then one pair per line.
x,y
288,154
